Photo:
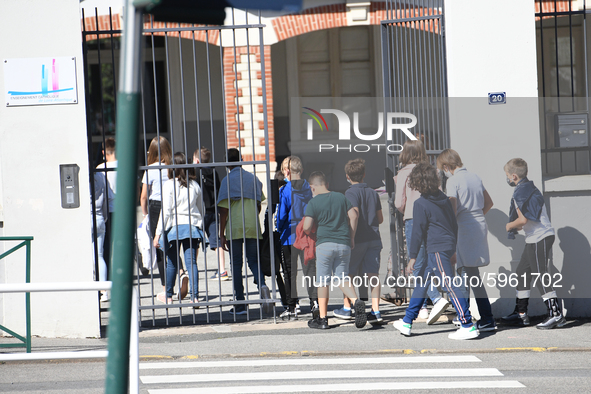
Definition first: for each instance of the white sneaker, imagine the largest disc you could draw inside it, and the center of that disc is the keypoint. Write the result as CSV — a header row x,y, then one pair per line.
x,y
438,309
465,333
104,296
403,327
424,313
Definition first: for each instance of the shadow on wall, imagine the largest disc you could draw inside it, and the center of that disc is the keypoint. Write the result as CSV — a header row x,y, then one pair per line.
x,y
576,270
496,221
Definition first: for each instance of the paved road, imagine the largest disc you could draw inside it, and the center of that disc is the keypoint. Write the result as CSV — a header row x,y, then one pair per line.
x,y
523,372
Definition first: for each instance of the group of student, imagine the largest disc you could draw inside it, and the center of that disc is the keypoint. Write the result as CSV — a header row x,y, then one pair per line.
x,y
331,234
446,236
188,205
337,235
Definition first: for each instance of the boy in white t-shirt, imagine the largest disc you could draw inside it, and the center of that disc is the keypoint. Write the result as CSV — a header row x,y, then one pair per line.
x,y
528,213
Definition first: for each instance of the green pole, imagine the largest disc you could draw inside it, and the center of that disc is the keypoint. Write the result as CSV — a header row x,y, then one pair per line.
x,y
28,295
127,131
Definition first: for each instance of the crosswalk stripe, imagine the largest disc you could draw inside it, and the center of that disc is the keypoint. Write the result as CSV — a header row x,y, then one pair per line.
x,y
355,387
350,374
309,361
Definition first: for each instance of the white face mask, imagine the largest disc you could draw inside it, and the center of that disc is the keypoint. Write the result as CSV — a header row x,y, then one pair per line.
x,y
448,174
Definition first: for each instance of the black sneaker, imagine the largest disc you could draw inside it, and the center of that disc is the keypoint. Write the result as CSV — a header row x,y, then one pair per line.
x,y
315,310
360,316
486,326
552,322
516,319
238,310
375,319
320,323
556,315
289,314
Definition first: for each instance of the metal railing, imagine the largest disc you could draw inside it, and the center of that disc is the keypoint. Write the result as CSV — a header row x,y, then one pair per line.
x,y
184,92
26,340
85,354
414,68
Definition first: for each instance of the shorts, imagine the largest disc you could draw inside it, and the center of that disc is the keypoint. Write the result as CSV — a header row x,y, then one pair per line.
x,y
211,230
365,256
331,259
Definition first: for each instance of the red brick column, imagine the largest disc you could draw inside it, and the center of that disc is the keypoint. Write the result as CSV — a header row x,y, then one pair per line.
x,y
245,115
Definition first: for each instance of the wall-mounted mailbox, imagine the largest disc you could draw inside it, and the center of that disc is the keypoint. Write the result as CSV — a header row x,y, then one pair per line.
x,y
69,185
572,130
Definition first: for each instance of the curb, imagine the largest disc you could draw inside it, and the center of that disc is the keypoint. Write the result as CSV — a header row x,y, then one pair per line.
x,y
307,353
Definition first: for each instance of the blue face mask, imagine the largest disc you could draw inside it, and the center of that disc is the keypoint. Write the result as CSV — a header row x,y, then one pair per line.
x,y
448,174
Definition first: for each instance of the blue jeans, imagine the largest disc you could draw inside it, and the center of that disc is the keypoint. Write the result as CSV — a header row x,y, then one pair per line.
x,y
237,263
190,246
421,263
440,262
100,241
479,292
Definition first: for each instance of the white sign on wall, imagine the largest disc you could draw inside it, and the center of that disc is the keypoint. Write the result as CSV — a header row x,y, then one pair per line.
x,y
40,81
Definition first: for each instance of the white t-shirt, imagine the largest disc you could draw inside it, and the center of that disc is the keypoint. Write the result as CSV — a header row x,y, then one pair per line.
x,y
152,179
537,231
180,206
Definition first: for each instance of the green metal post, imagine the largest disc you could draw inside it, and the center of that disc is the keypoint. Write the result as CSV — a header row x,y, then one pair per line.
x,y
128,115
28,295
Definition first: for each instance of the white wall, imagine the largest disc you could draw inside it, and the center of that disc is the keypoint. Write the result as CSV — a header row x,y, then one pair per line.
x,y
491,48
35,141
569,198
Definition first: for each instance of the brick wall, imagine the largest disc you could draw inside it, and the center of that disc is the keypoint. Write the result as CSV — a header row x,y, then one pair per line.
x,y
244,101
330,16
115,22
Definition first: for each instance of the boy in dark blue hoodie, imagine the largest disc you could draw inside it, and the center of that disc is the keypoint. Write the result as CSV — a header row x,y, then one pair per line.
x,y
293,199
434,222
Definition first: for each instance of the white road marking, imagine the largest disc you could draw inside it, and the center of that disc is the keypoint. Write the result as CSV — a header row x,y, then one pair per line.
x,y
296,375
309,361
354,387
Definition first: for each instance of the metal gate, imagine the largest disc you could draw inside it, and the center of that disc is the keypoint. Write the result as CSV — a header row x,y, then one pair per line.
x,y
188,73
563,84
415,81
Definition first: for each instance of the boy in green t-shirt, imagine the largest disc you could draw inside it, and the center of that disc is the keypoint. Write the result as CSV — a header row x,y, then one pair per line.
x,y
332,213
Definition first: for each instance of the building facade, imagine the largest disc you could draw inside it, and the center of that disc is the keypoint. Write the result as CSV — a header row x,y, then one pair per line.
x,y
234,88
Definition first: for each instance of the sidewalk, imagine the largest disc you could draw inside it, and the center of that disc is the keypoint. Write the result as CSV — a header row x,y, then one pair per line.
x,y
267,339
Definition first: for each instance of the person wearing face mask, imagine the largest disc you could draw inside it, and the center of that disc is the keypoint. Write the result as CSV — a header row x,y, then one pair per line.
x,y
470,202
528,213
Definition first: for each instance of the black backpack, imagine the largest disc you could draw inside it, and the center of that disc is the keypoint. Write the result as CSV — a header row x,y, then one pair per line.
x,y
210,186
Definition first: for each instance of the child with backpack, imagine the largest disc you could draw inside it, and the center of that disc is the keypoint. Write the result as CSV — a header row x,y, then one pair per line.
x,y
293,199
